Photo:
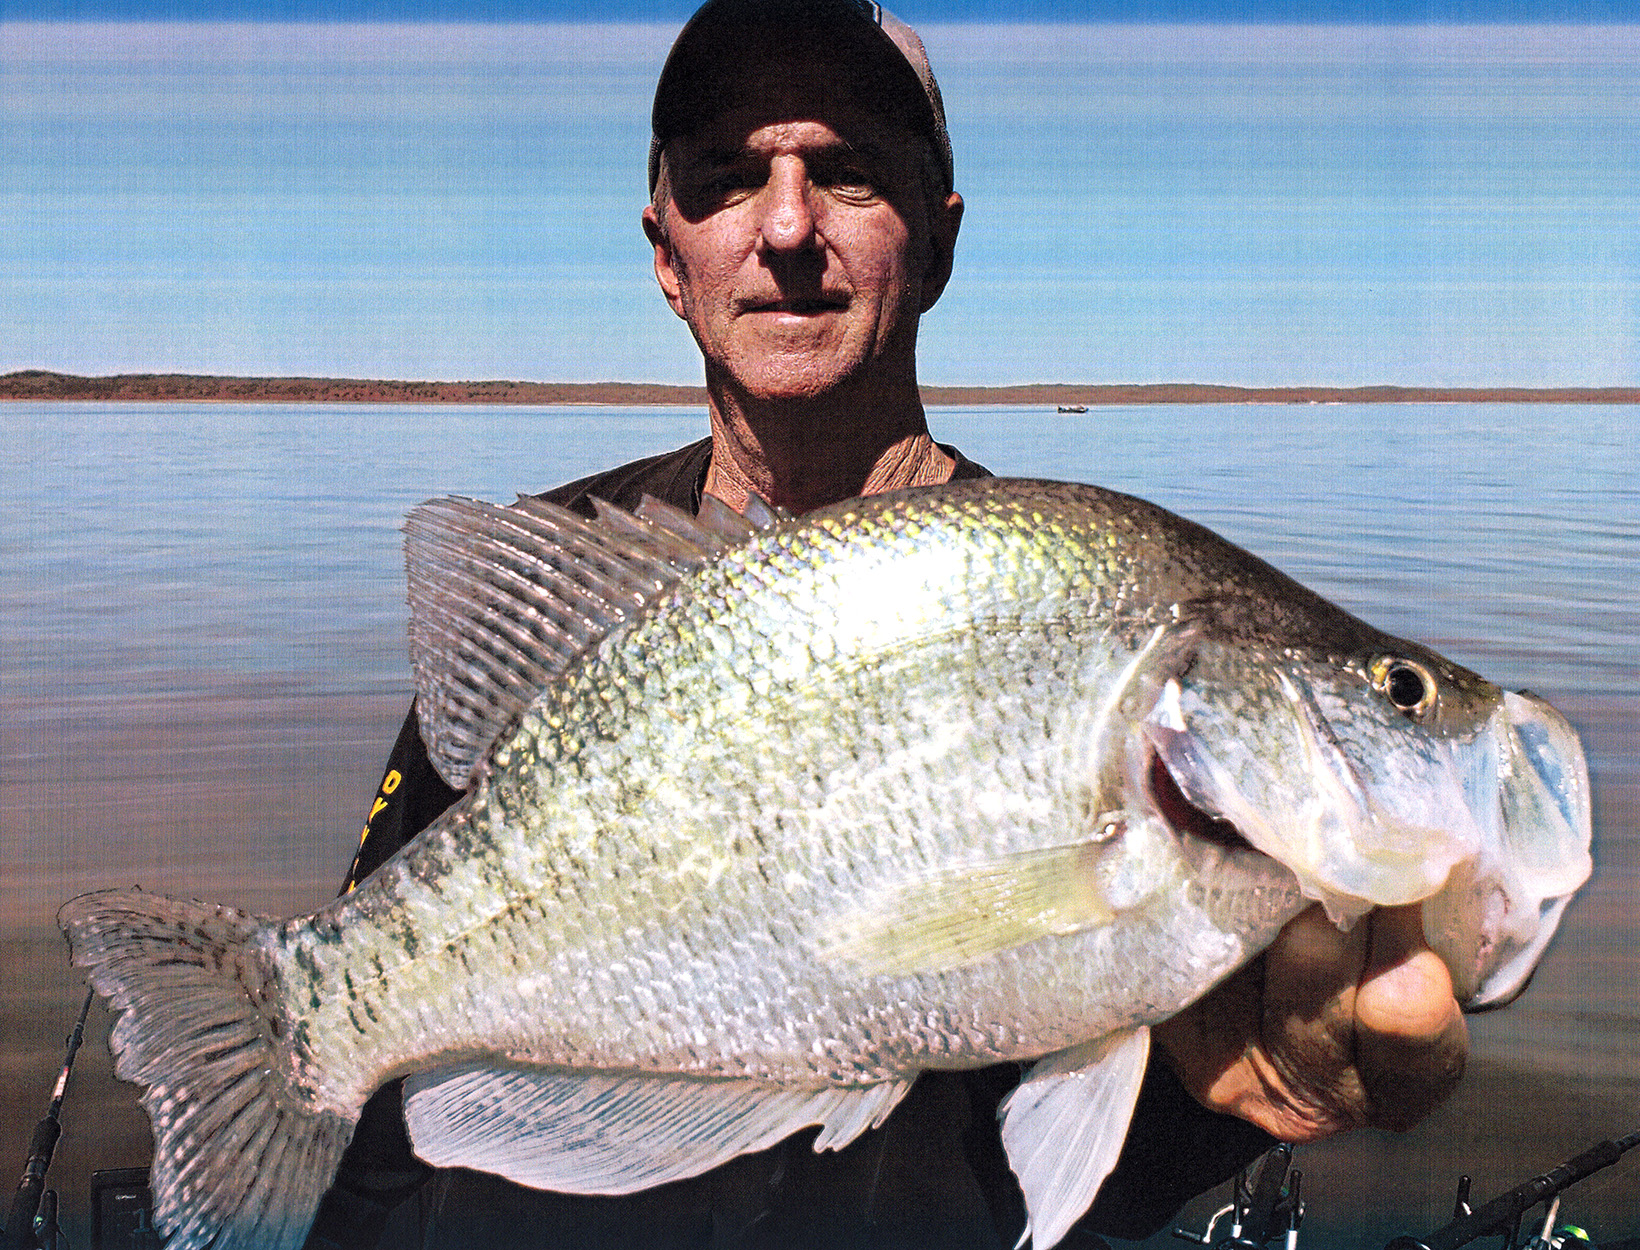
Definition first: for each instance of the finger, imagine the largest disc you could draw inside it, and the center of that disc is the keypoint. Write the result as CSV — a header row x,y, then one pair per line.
x,y
1311,973
1275,1043
1206,1044
1411,1040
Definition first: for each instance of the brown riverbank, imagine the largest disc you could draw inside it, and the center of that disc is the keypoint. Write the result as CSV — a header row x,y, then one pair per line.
x,y
40,384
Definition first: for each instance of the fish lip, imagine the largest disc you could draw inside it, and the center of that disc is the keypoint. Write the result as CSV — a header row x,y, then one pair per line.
x,y
1184,817
1478,1006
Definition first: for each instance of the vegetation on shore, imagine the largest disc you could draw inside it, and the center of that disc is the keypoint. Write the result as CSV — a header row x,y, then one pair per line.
x,y
38,384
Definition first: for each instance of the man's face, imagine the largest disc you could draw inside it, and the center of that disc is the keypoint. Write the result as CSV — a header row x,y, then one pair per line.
x,y
799,241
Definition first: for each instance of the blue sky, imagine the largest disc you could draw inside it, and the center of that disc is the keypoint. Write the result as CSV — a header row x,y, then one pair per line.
x,y
1370,11
1255,204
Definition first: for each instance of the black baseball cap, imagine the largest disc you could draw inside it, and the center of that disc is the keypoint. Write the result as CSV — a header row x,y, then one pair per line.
x,y
885,58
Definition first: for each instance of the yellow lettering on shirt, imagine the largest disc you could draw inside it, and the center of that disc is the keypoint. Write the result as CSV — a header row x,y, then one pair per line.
x,y
390,783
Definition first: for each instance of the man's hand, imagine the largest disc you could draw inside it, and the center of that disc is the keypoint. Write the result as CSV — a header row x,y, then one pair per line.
x,y
1327,1031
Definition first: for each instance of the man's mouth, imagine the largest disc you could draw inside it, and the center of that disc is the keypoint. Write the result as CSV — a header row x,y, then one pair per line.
x,y
799,306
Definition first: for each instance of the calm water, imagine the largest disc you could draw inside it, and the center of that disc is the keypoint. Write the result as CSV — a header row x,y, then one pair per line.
x,y
146,544
180,577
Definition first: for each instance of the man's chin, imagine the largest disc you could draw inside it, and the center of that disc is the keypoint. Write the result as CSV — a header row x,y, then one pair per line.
x,y
794,390
797,377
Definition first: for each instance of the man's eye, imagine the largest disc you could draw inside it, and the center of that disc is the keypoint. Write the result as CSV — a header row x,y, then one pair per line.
x,y
852,183
721,185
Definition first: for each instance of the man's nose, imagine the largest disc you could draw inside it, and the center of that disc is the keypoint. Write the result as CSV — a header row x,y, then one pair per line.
x,y
788,222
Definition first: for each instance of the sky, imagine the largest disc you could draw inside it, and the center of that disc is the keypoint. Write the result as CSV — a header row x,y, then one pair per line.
x,y
914,11
1436,193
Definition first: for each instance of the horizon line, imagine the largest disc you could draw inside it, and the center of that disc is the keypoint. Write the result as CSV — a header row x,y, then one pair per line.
x,y
44,385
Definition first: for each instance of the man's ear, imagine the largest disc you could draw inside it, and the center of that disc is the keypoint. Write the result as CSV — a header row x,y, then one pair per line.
x,y
666,269
944,220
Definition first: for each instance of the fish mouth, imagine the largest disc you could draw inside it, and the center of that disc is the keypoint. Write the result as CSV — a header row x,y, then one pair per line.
x,y
1184,817
1495,917
1188,820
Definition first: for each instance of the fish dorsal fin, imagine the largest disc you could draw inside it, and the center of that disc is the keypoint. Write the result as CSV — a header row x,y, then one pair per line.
x,y
1064,1124
504,599
721,519
665,531
616,1133
716,521
763,514
948,919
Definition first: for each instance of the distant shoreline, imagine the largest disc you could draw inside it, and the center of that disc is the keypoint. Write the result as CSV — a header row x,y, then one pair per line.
x,y
40,384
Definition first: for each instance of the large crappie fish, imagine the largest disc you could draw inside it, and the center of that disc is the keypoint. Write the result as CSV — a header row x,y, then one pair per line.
x,y
764,821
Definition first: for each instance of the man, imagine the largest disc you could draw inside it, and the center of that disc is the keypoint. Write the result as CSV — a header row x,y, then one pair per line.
x,y
803,219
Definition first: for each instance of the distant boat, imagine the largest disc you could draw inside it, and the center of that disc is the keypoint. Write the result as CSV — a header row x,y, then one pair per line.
x,y
1073,407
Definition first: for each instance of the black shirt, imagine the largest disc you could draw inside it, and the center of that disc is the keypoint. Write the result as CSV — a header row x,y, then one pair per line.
x,y
933,1175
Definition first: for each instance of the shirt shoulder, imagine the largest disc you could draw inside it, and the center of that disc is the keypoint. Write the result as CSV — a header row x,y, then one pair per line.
x,y
673,477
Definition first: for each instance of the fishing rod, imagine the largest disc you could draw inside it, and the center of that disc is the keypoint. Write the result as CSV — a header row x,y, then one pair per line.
x,y
1267,1205
1504,1213
22,1231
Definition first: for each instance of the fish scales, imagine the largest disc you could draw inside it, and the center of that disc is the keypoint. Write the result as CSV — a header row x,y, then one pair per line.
x,y
990,771
896,698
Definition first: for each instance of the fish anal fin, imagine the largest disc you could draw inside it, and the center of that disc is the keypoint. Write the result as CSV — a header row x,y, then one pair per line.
x,y
957,917
1064,1124
616,1133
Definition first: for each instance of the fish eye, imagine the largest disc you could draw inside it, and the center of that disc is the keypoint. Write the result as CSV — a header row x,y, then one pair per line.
x,y
1409,686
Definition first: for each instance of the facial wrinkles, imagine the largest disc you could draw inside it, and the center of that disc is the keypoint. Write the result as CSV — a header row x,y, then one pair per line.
x,y
814,207
791,224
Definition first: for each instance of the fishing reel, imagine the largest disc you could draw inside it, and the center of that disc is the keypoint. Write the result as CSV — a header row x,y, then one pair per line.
x,y
1267,1206
1505,1213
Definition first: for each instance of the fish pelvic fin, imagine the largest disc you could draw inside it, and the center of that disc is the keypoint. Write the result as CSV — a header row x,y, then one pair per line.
x,y
616,1133
240,1163
1064,1124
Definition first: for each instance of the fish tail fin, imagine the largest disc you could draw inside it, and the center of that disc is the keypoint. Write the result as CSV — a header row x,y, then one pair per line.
x,y
241,1156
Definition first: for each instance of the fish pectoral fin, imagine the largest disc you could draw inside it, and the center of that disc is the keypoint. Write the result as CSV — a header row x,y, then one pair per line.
x,y
616,1133
962,915
1064,1125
